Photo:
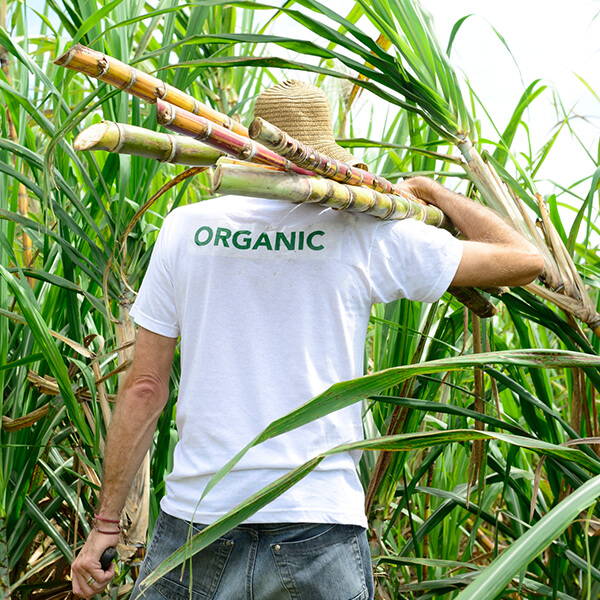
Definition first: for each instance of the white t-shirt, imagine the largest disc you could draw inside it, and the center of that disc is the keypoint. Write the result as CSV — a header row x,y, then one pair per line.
x,y
272,302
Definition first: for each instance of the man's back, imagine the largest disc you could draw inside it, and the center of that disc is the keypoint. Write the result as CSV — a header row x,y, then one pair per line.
x,y
272,304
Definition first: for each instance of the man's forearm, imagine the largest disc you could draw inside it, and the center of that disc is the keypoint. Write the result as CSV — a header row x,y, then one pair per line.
x,y
129,438
477,222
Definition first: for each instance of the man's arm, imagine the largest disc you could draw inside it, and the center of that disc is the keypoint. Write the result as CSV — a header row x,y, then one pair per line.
x,y
140,401
495,255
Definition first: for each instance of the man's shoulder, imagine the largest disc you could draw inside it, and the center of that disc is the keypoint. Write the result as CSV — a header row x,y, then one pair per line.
x,y
261,211
216,207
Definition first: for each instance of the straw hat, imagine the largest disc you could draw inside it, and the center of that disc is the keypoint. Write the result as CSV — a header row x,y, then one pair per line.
x,y
302,111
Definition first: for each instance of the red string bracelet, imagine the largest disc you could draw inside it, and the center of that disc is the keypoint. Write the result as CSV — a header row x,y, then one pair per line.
x,y
108,532
106,520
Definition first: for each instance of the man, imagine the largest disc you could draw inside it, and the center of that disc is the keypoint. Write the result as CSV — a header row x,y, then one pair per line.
x,y
272,301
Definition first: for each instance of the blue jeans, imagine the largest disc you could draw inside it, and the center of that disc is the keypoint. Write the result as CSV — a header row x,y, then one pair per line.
x,y
266,561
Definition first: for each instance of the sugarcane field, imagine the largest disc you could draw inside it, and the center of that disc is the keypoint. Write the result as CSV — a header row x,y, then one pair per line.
x,y
299,300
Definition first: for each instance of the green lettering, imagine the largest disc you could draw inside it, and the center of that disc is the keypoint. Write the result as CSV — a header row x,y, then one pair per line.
x,y
309,240
222,235
301,240
209,236
245,243
288,243
262,240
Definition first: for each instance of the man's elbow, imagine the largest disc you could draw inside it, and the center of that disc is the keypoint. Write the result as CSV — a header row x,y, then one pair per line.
x,y
146,391
531,267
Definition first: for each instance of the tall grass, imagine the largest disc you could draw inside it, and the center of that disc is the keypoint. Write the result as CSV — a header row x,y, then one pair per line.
x,y
454,500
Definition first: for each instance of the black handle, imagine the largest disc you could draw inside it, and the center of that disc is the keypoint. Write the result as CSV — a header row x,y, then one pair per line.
x,y
107,557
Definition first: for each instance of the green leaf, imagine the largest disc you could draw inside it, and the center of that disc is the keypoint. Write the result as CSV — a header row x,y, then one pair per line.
x,y
586,206
508,136
94,20
401,442
46,343
345,393
493,579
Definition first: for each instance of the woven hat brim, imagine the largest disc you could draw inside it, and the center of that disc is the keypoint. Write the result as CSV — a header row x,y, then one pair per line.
x,y
303,112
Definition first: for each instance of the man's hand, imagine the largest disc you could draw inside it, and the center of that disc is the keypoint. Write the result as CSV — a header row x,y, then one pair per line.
x,y
87,575
424,188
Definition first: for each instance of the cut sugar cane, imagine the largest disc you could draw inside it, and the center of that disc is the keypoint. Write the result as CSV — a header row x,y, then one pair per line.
x,y
307,157
225,140
129,139
238,178
139,83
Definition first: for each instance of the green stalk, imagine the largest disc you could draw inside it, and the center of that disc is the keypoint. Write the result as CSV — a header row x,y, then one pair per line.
x,y
309,158
129,139
4,572
247,180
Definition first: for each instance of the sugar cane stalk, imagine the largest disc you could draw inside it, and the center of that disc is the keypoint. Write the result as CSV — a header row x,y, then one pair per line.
x,y
306,156
220,138
129,139
143,85
238,178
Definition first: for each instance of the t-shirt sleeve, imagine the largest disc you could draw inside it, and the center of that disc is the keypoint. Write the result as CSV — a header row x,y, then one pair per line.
x,y
154,308
413,260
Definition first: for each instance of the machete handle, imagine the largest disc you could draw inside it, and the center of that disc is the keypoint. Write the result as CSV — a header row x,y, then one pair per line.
x,y
107,557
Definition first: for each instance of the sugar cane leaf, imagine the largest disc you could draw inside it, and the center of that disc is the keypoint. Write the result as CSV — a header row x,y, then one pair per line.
x,y
528,397
346,393
61,488
42,336
585,207
69,342
22,361
227,522
318,27
30,65
428,562
408,27
61,282
147,15
46,525
437,587
232,39
368,143
94,19
493,579
424,440
399,443
455,29
450,409
508,135
301,46
451,499
348,25
48,128
35,161
370,48
282,63
74,254
28,183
